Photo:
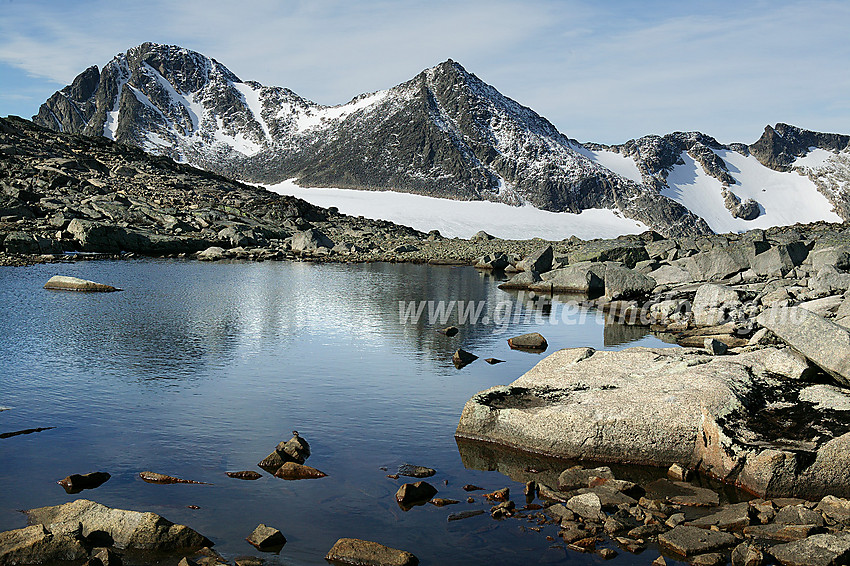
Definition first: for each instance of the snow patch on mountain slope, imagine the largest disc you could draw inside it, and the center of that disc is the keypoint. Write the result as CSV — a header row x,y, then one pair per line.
x,y
464,218
785,198
251,96
815,159
319,115
110,127
620,164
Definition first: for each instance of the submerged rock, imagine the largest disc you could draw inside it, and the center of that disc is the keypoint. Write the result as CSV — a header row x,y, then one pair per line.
x,y
154,477
64,283
244,475
461,358
533,342
75,483
366,553
412,471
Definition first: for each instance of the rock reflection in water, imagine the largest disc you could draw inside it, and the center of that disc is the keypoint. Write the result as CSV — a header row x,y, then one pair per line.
x,y
522,467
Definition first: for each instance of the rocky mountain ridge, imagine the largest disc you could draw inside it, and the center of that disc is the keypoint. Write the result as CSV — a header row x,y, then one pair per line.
x,y
444,133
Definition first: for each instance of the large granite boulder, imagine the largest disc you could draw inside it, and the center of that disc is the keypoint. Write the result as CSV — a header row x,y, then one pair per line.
x,y
585,277
624,283
310,241
37,545
824,343
716,264
661,406
130,530
778,261
521,280
628,253
830,256
816,550
670,275
25,243
540,260
715,304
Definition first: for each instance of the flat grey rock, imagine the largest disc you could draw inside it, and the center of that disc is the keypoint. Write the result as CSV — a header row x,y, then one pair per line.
x,y
689,541
816,550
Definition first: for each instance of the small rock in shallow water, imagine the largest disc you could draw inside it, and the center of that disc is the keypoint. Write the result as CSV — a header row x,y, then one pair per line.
x,y
470,487
62,283
103,556
363,552
679,473
439,502
295,471
449,331
462,358
153,477
75,483
499,495
465,514
411,493
412,471
244,475
533,342
265,538
494,361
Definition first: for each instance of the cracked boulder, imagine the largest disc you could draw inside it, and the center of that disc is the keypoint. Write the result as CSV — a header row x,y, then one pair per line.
x,y
738,417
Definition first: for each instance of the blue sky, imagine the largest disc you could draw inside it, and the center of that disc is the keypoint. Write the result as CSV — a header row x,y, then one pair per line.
x,y
600,71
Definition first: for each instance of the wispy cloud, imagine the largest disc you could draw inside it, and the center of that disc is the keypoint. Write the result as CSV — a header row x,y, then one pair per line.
x,y
599,71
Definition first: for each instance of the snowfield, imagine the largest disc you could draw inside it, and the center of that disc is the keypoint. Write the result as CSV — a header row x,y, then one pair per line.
x,y
622,165
785,198
463,219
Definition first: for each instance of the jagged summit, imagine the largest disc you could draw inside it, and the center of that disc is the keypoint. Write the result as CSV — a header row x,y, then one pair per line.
x,y
444,133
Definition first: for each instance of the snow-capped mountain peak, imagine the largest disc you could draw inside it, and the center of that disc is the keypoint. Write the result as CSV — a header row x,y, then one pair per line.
x,y
444,133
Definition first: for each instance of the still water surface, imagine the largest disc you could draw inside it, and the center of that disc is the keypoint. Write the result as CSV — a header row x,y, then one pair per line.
x,y
196,369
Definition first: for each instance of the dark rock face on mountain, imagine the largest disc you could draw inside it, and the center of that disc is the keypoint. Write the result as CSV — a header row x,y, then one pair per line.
x,y
778,147
655,156
444,133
